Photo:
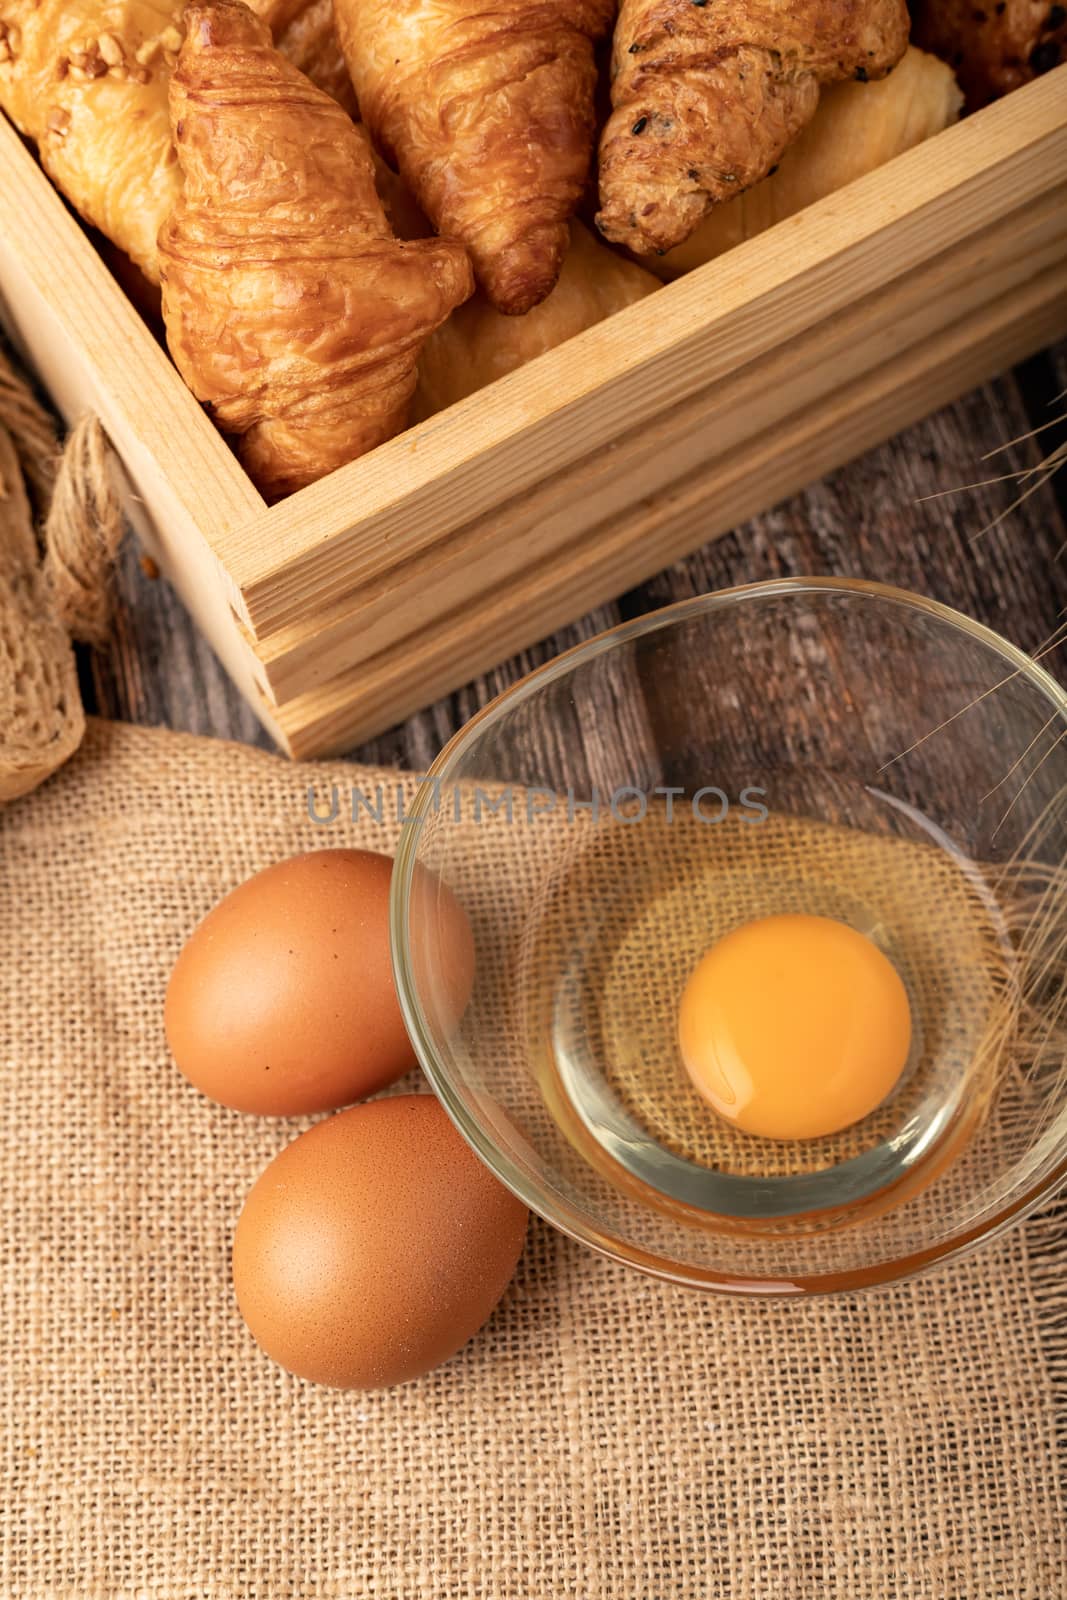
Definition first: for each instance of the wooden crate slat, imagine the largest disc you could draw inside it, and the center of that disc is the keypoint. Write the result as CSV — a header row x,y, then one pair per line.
x,y
484,528
378,693
93,351
610,378
713,425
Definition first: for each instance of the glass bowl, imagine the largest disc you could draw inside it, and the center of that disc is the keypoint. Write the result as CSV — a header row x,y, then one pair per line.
x,y
830,747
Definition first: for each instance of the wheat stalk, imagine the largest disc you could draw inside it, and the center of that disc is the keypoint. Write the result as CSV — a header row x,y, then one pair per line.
x,y
1026,1040
1035,477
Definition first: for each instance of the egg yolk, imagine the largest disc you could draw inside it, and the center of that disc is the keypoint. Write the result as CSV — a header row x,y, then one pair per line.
x,y
794,1027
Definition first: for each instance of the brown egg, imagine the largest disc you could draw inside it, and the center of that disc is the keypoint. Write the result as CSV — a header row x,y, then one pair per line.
x,y
282,1000
374,1246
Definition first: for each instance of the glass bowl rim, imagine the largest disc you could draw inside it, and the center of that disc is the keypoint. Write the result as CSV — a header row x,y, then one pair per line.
x,y
552,1208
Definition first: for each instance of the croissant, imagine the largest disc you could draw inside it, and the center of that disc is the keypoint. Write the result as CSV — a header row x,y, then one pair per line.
x,y
993,48
290,308
488,114
477,345
707,94
303,31
856,129
86,80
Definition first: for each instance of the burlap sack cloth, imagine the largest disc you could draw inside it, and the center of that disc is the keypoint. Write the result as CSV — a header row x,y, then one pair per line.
x,y
606,1436
60,526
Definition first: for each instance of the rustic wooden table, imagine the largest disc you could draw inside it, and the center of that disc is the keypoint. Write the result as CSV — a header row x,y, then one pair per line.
x,y
873,519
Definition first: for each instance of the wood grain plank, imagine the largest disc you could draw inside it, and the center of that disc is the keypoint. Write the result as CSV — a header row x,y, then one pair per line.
x,y
953,192
621,551
158,668
1043,385
94,352
875,521
872,519
721,430
634,365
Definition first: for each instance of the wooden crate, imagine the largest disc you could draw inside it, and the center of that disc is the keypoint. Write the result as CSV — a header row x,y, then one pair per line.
x,y
359,599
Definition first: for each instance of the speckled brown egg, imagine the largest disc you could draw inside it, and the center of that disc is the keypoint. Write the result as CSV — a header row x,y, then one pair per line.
x,y
374,1246
282,1000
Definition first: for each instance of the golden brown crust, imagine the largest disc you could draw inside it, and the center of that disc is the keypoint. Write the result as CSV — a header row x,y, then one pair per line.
x,y
88,83
488,115
304,31
708,93
290,307
87,80
993,48
856,129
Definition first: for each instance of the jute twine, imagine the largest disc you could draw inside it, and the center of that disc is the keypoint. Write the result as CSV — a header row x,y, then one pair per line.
x,y
53,586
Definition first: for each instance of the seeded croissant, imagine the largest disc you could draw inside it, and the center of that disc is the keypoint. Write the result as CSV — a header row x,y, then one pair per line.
x,y
487,112
86,80
707,94
290,307
857,128
993,48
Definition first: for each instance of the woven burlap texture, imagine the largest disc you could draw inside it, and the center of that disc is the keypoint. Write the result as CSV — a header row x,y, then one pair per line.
x,y
52,589
605,1436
